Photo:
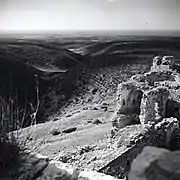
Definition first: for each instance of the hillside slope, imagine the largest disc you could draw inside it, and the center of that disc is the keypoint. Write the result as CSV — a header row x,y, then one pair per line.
x,y
40,54
110,62
78,80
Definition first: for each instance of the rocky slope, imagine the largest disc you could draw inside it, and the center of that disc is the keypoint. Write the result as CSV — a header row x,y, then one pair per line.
x,y
110,60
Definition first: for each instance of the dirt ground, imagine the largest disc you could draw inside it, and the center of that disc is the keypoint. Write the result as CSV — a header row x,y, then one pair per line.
x,y
88,145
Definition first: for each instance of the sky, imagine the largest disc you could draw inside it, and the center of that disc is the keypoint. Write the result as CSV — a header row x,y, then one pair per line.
x,y
55,15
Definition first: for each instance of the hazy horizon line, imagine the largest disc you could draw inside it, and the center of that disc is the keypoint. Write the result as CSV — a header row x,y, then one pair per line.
x,y
152,32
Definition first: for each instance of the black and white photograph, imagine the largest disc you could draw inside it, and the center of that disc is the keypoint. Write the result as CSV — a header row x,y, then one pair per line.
x,y
89,89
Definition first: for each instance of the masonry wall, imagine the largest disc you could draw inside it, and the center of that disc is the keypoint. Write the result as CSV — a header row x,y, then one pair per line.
x,y
153,105
128,105
164,134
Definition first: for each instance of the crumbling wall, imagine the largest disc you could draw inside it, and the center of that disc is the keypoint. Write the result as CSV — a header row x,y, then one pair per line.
x,y
158,92
149,97
153,105
129,99
156,62
173,102
163,63
128,105
155,76
159,111
164,134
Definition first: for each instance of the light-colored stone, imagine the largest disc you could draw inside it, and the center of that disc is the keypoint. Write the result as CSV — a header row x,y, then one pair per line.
x,y
156,76
171,128
156,164
163,63
121,120
141,164
153,105
156,62
57,170
138,77
92,175
128,105
168,60
150,97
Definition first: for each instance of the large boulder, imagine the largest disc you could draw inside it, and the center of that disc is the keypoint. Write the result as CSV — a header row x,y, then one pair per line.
x,y
92,175
156,164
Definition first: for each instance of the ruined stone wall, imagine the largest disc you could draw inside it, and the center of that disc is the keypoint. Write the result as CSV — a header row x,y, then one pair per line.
x,y
129,99
128,105
149,97
163,63
164,134
155,76
158,95
159,111
153,105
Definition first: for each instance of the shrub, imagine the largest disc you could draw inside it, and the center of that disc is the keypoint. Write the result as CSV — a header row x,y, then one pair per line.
x,y
12,118
9,121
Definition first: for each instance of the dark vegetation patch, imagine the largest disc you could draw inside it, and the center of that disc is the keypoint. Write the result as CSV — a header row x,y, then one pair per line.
x,y
55,132
22,85
9,156
97,121
69,130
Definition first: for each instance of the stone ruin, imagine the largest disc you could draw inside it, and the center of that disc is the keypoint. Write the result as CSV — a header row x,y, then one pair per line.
x,y
151,100
150,97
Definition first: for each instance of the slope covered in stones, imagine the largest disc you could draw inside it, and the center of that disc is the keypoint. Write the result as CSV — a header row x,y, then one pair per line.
x,y
110,59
